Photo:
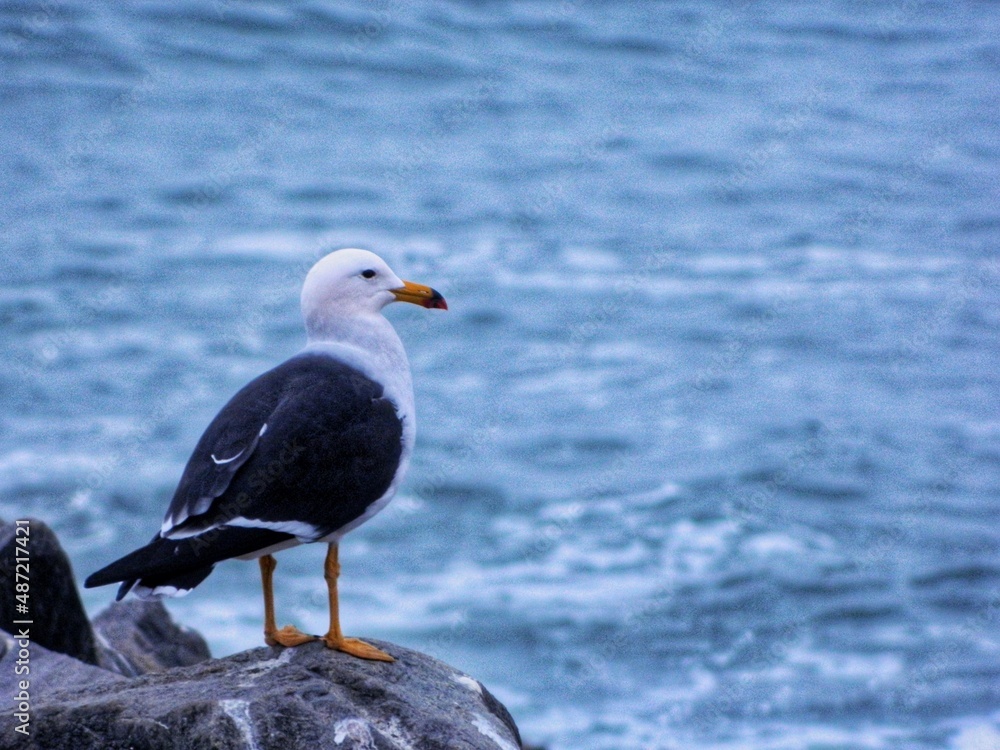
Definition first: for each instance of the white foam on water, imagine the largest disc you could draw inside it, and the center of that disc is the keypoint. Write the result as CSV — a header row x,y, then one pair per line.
x,y
715,263
274,244
837,665
308,247
590,259
693,549
665,492
975,732
774,543
980,736
39,465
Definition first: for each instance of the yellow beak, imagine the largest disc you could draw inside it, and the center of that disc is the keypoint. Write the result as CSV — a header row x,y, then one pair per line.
x,y
421,295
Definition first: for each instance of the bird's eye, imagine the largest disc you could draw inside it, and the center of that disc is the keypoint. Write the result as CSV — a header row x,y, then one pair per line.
x,y
368,274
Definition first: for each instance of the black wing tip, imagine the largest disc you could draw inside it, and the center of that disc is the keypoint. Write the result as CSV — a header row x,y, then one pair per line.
x,y
97,579
103,578
124,589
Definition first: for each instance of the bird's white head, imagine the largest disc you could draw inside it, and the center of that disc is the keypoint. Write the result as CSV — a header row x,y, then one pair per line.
x,y
352,283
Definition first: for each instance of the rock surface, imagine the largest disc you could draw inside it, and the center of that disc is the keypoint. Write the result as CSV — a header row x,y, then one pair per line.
x,y
280,699
138,681
59,621
49,671
137,637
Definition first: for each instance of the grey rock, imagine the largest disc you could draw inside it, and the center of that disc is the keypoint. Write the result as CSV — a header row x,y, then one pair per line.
x,y
138,637
59,621
47,672
275,699
139,681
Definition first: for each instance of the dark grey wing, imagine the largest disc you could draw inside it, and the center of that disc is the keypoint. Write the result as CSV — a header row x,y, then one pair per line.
x,y
226,445
331,448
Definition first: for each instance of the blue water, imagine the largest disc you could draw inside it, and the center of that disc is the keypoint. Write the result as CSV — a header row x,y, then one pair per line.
x,y
709,448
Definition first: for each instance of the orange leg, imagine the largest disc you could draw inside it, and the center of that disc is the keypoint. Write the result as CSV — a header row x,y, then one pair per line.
x,y
335,638
288,635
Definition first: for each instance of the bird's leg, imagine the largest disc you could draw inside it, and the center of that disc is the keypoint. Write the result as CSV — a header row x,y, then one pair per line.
x,y
335,638
288,635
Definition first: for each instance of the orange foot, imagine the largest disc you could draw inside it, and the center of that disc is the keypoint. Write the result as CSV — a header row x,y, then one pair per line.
x,y
287,636
357,648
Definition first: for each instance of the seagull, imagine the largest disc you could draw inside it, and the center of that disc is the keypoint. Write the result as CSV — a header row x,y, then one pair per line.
x,y
303,453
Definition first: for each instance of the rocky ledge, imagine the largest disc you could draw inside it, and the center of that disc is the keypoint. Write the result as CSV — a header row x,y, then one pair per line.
x,y
134,679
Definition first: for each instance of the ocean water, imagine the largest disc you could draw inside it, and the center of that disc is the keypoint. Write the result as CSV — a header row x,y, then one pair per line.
x,y
708,448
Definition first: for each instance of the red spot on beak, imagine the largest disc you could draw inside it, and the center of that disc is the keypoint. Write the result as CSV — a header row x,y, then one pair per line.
x,y
436,301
